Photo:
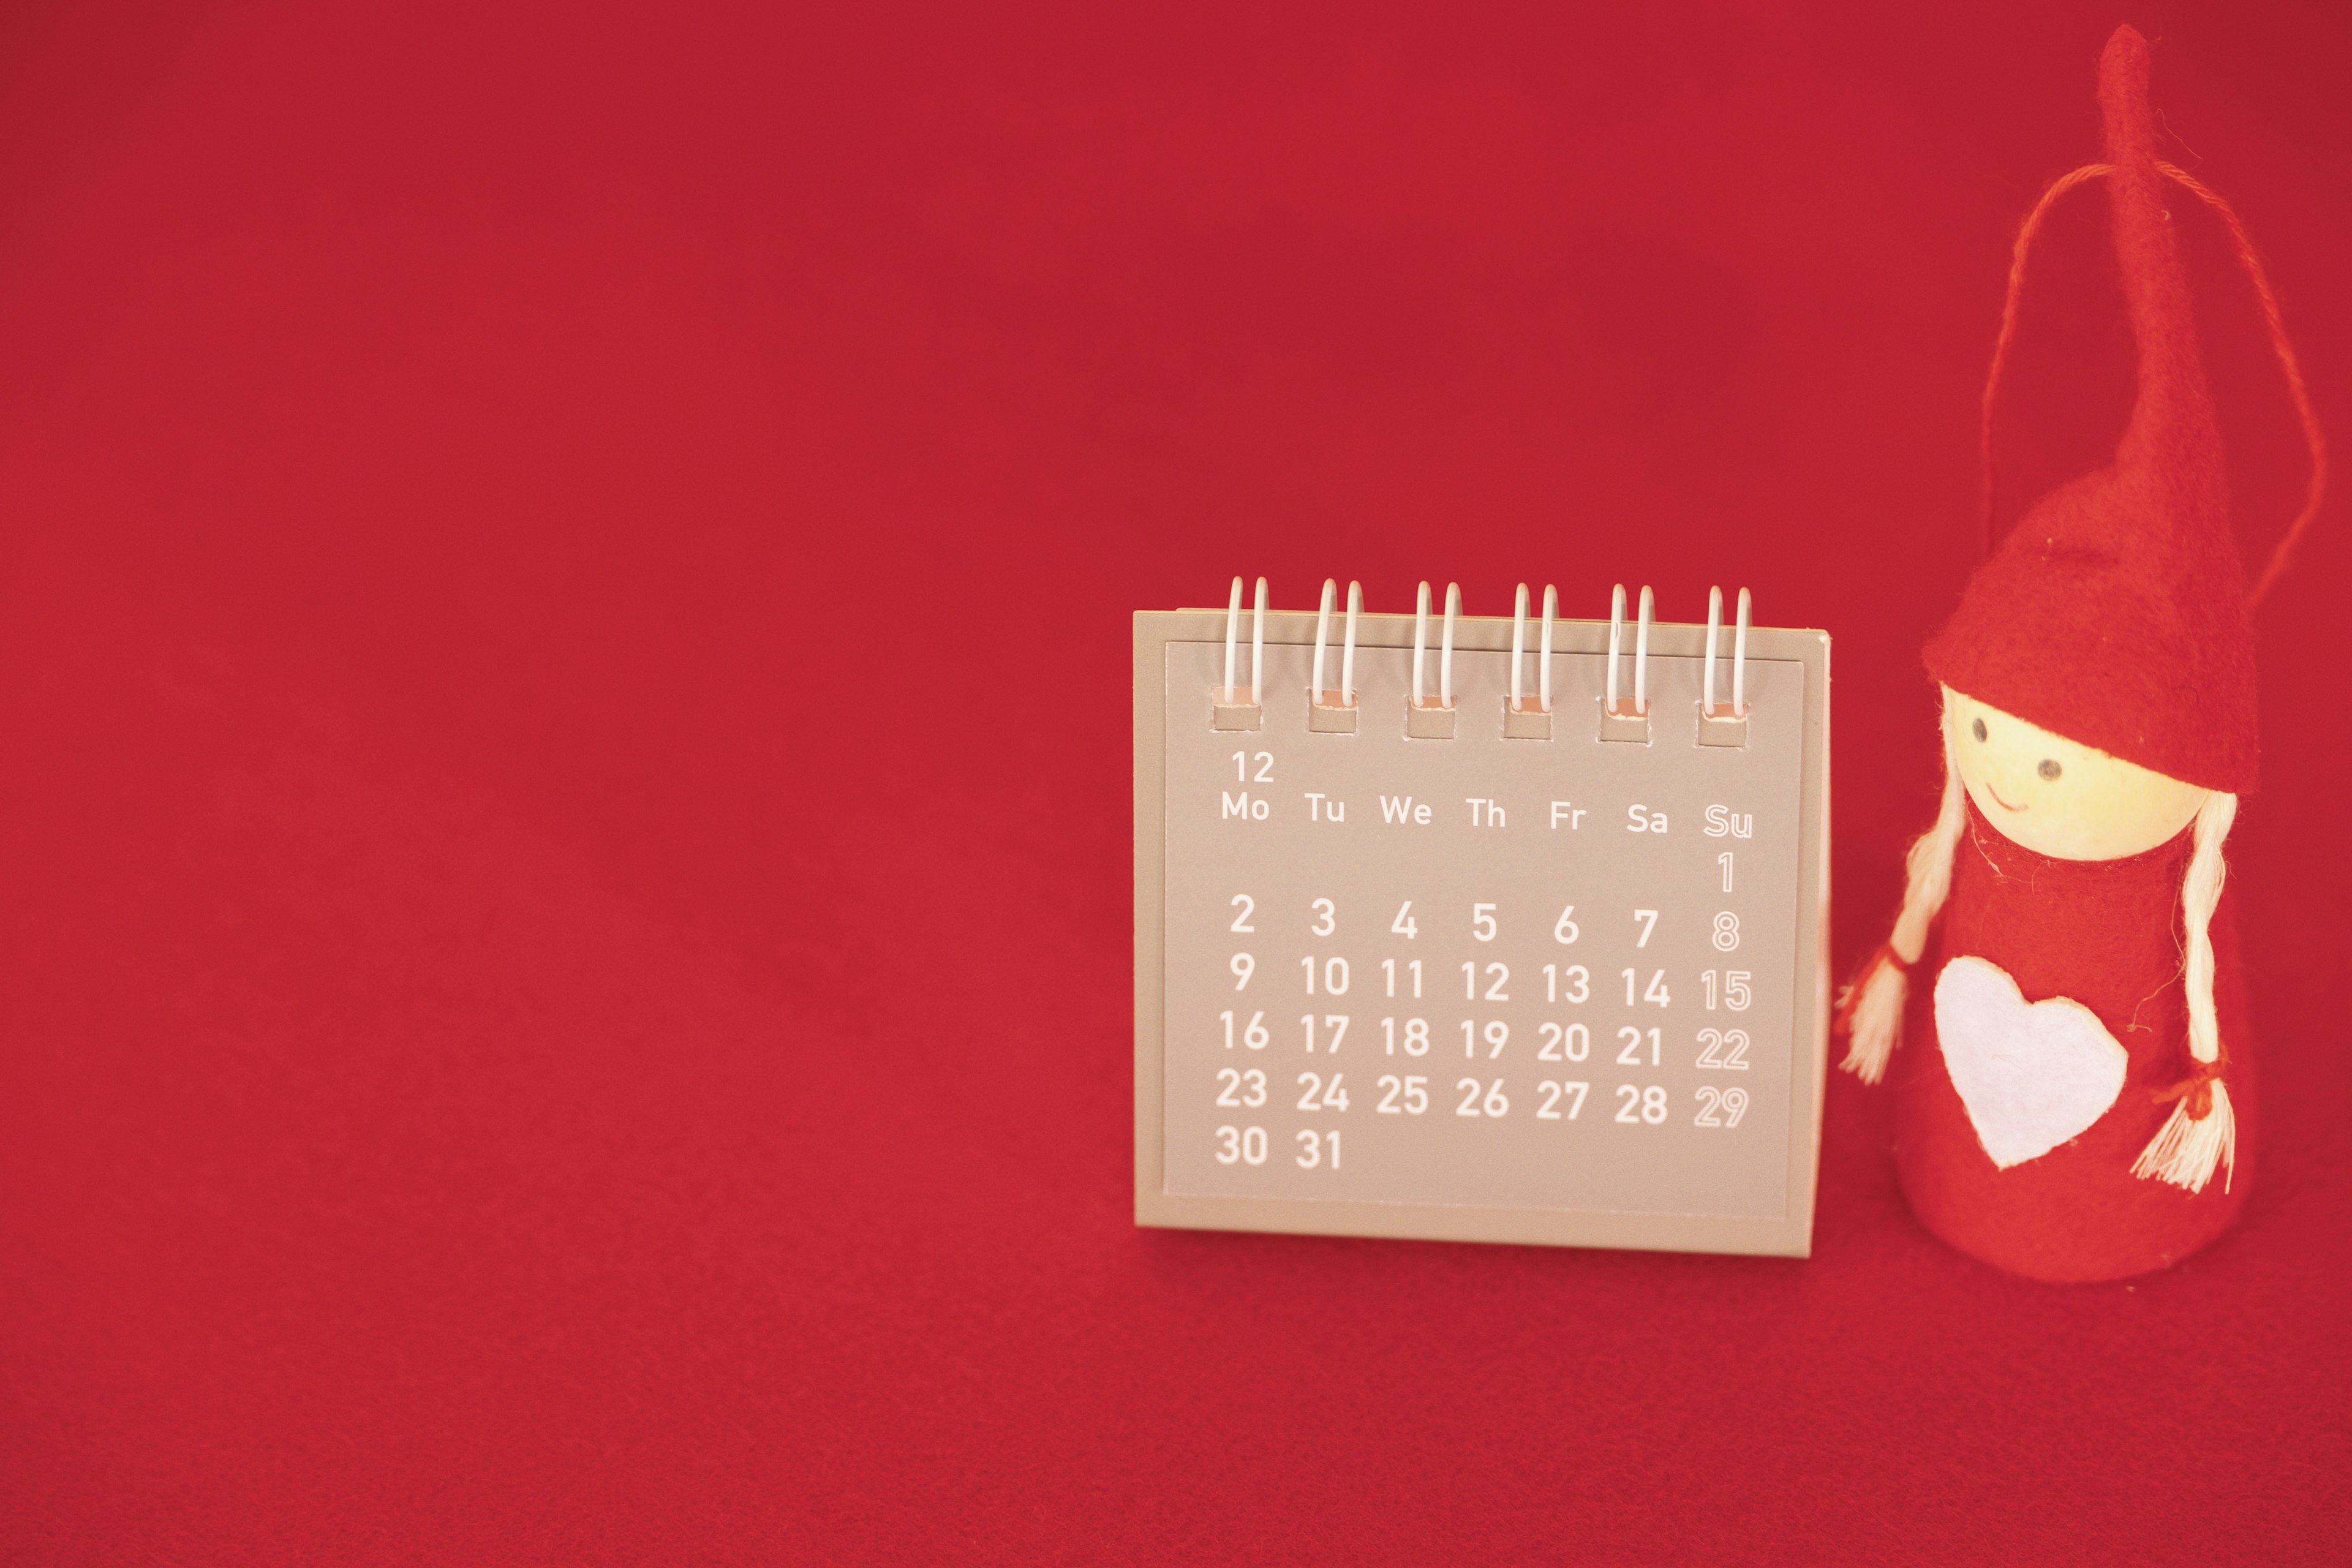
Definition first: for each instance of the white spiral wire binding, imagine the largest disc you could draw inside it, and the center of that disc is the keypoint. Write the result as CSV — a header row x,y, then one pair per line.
x,y
1714,627
1616,637
1739,662
1642,659
1543,675
1519,646
1420,642
1445,659
1348,659
1519,642
1232,624
1257,648
1322,635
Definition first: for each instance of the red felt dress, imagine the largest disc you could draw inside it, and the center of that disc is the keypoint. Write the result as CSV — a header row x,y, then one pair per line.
x,y
2108,934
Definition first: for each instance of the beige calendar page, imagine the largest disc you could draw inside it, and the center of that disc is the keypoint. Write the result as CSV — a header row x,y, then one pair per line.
x,y
1563,989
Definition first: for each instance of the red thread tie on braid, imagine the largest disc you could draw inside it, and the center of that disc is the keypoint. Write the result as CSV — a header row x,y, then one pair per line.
x,y
1849,996
2197,1089
2273,320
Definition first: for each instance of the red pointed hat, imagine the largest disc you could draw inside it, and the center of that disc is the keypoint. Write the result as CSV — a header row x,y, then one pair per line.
x,y
2114,612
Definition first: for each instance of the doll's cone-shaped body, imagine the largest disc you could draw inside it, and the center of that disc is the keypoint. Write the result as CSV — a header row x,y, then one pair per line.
x,y
2105,935
2113,614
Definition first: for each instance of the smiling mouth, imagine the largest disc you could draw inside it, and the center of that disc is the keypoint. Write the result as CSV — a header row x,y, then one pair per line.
x,y
2004,805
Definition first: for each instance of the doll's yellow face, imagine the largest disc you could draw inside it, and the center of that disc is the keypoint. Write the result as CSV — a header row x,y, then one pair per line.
x,y
2058,797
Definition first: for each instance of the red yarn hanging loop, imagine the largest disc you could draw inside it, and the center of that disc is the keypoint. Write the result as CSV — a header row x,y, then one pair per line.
x,y
2314,438
2027,232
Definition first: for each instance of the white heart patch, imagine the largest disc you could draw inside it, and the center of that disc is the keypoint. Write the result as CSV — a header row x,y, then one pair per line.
x,y
2032,1074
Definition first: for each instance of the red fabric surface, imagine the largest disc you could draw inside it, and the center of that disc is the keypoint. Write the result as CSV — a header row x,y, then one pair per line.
x,y
2107,934
2114,613
564,863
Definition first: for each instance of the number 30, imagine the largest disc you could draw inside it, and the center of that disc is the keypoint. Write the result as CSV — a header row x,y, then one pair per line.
x,y
1247,1145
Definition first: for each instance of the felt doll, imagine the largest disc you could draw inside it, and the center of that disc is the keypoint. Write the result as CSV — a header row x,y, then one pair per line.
x,y
2078,1099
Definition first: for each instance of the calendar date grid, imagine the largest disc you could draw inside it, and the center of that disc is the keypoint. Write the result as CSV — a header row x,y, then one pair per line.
x,y
1474,1008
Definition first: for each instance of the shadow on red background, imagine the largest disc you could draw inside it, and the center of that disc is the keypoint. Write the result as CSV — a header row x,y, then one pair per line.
x,y
563,1003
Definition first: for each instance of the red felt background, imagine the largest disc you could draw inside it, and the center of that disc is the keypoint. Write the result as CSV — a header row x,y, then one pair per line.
x,y
564,835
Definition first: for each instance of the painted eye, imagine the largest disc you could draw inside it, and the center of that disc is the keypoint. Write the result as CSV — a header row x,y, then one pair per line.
x,y
2049,768
1978,729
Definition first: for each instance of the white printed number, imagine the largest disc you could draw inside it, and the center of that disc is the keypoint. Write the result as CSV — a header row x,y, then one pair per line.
x,y
1498,1035
1478,1100
1735,989
1241,1087
1414,1090
1655,992
1726,1048
1572,1043
1318,1148
1497,976
1720,1107
1572,1091
1416,1036
1247,1145
1322,1097
1254,1035
1335,976
1334,1024
1573,984
1639,1105
1727,932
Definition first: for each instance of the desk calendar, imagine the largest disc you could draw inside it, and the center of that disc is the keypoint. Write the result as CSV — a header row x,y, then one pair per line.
x,y
1505,929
